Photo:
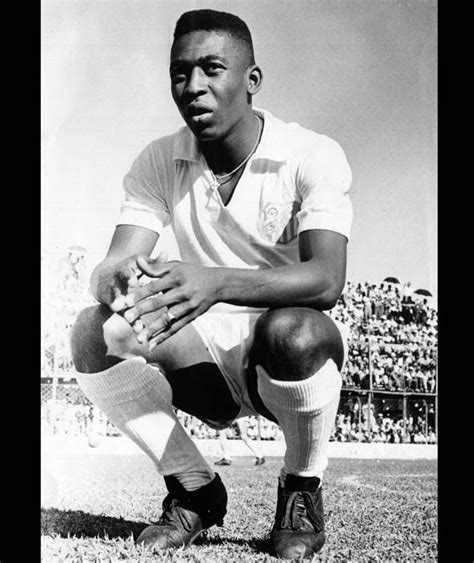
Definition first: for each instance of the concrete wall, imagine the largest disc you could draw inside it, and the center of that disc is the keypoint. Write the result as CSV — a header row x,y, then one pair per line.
x,y
119,445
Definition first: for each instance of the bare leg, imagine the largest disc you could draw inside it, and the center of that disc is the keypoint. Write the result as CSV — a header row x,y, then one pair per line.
x,y
251,445
223,444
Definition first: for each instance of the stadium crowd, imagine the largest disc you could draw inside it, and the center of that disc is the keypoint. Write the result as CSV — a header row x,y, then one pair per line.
x,y
75,415
79,417
258,428
393,345
382,427
398,329
75,418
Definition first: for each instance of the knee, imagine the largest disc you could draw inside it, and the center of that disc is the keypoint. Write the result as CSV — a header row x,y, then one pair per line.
x,y
88,344
293,343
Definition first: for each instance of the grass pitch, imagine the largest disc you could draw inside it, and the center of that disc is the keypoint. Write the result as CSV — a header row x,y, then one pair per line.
x,y
376,510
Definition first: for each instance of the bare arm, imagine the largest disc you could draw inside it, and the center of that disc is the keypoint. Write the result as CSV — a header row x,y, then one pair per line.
x,y
189,290
112,278
316,281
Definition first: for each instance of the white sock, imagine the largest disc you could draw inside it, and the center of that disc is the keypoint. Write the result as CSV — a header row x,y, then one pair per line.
x,y
223,444
137,398
306,411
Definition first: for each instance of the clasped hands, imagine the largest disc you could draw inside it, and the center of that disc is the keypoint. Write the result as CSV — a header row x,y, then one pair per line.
x,y
177,294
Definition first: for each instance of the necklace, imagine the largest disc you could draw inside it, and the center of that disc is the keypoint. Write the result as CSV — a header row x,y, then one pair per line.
x,y
228,175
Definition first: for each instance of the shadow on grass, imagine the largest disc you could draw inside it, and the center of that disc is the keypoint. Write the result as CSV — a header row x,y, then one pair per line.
x,y
82,524
85,525
259,544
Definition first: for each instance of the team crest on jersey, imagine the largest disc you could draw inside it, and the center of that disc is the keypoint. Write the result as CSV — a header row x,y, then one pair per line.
x,y
278,223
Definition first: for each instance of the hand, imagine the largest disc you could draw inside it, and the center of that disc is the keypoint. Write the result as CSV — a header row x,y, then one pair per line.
x,y
179,294
113,283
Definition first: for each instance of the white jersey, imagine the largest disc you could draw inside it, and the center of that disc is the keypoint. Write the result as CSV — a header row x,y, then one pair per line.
x,y
295,181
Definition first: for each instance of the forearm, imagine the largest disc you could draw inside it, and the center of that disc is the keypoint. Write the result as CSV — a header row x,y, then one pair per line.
x,y
188,290
127,243
307,284
99,275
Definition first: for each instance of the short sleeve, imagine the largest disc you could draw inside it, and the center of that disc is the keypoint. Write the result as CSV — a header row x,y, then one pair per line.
x,y
144,203
323,181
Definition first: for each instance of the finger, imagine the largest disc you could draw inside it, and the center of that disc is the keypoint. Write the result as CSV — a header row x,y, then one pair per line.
x,y
133,275
146,320
149,318
145,314
173,329
132,281
155,268
163,321
153,304
145,291
156,327
138,326
130,298
118,304
150,289
145,263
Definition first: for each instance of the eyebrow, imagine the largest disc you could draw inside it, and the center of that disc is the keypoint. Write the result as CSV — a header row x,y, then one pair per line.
x,y
200,61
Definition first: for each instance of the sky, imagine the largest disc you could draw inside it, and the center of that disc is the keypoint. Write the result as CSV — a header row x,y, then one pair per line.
x,y
363,72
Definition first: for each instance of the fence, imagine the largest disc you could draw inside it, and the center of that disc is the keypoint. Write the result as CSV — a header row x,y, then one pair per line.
x,y
407,391
377,402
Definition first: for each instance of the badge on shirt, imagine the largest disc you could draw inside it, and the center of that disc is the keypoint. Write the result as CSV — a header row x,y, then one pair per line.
x,y
278,223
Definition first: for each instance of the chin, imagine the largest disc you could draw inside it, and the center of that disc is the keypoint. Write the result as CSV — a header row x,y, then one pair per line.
x,y
206,138
205,134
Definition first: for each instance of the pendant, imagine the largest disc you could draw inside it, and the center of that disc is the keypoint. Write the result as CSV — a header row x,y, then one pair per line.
x,y
214,183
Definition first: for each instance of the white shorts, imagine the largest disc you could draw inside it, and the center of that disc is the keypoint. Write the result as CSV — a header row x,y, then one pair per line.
x,y
227,331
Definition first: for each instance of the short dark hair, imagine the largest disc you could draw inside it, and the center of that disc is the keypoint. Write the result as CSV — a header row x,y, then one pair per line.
x,y
212,20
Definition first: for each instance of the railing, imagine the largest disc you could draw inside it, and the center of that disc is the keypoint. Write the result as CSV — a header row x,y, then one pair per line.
x,y
418,403
362,404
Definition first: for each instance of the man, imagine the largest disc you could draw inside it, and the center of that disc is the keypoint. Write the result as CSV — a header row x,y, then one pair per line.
x,y
240,428
262,217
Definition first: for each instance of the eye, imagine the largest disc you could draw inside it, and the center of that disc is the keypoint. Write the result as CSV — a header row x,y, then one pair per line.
x,y
213,68
177,73
177,77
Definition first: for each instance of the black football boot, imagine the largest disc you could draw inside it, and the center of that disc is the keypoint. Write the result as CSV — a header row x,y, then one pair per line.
x,y
186,514
298,530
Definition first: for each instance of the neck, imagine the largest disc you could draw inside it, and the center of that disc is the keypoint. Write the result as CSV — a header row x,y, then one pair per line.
x,y
225,154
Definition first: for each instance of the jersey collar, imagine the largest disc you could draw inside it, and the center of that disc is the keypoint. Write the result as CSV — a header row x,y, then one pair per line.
x,y
187,148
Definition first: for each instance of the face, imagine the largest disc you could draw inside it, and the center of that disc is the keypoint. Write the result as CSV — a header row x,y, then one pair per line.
x,y
211,82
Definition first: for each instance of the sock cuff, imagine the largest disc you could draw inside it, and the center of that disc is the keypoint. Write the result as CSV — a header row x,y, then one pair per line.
x,y
303,396
121,382
283,475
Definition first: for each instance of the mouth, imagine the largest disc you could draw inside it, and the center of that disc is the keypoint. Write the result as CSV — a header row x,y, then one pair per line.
x,y
197,110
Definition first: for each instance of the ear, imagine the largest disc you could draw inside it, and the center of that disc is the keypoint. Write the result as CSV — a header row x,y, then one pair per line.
x,y
255,77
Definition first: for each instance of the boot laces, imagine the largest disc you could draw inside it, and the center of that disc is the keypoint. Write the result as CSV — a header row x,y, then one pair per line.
x,y
295,511
174,513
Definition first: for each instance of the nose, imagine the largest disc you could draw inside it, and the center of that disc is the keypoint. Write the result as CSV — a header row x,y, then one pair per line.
x,y
196,83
